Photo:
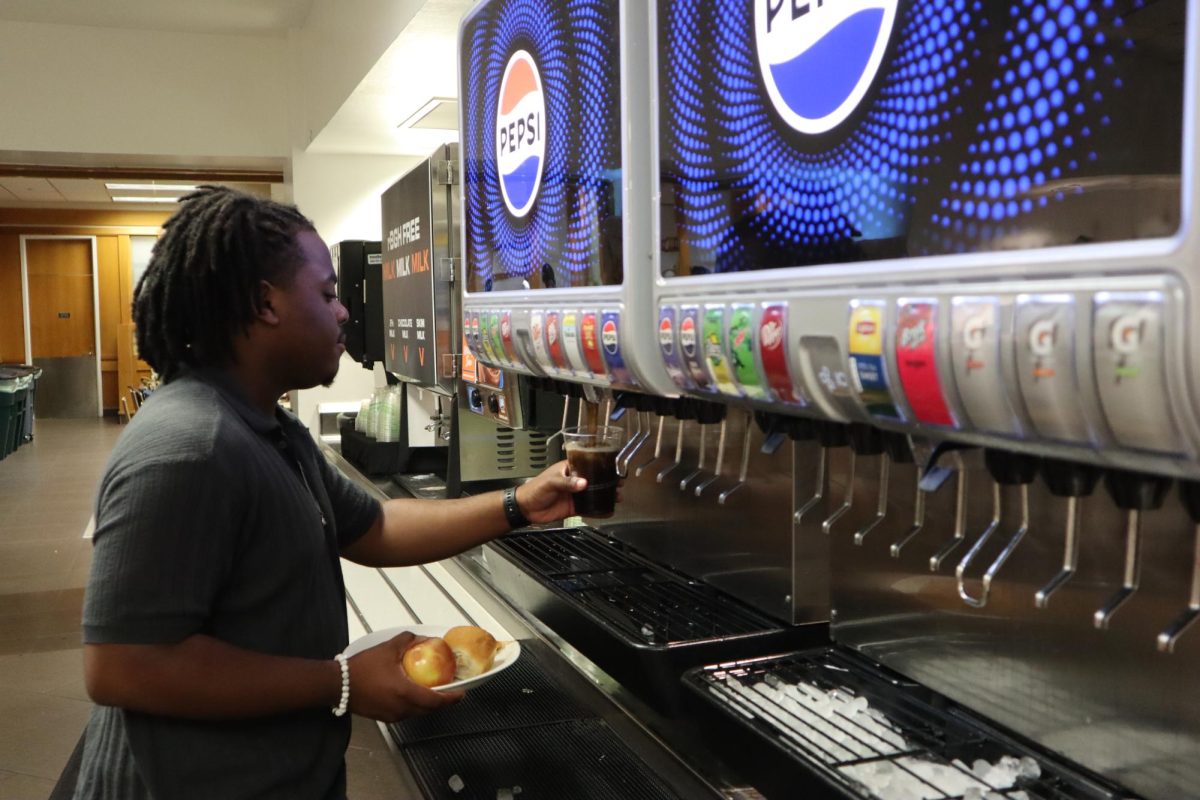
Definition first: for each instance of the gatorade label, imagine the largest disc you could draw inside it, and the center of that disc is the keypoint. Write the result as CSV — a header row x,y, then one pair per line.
x,y
537,332
506,337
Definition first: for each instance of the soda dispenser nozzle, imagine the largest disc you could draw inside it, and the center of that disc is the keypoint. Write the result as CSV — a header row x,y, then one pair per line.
x,y
848,500
1007,469
867,440
1072,481
706,414
685,409
1134,492
1189,493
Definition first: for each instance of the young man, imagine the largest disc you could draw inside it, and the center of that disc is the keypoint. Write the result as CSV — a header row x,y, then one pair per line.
x,y
215,607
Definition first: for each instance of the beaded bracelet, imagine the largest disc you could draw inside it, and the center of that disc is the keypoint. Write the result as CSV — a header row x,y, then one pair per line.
x,y
340,709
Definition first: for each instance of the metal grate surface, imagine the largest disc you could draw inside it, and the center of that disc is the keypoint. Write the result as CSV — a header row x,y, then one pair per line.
x,y
645,602
520,696
879,736
572,759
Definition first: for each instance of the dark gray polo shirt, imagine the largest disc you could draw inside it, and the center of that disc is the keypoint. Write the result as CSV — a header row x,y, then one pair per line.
x,y
204,524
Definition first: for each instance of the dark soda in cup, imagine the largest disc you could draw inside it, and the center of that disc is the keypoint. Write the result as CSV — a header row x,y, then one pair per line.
x,y
592,454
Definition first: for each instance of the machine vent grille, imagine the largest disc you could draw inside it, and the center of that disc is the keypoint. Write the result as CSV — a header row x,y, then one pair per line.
x,y
879,735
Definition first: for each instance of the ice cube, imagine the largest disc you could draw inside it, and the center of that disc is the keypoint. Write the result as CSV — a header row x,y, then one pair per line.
x,y
456,784
980,768
648,632
1029,768
973,793
858,705
504,794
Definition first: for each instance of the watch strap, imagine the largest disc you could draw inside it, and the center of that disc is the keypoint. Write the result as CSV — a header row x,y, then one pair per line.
x,y
512,511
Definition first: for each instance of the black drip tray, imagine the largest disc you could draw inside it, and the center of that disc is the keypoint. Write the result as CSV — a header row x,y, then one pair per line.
x,y
641,622
830,718
520,696
568,760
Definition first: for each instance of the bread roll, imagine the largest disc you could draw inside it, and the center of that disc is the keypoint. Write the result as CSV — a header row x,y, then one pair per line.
x,y
474,650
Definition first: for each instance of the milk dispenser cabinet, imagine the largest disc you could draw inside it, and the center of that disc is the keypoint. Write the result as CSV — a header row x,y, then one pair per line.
x,y
960,238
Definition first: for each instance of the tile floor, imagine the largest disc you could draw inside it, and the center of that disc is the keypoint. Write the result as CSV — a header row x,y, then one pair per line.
x,y
46,492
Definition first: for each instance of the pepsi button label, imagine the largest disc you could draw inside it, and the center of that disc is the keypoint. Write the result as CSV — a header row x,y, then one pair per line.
x,y
610,343
818,58
521,133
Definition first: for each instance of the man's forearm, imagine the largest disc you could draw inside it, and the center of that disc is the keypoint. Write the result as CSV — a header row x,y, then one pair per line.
x,y
420,531
205,678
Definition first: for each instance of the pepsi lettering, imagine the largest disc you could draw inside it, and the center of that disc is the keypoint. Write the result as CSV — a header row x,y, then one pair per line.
x,y
520,134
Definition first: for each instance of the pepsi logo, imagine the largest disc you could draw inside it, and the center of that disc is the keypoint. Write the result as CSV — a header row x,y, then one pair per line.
x,y
975,331
521,133
819,57
666,336
687,336
608,337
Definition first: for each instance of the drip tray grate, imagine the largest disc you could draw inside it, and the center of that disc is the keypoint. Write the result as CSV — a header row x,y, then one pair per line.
x,y
876,735
573,759
646,603
519,697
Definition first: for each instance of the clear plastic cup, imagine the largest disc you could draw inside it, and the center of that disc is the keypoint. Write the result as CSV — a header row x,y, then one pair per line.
x,y
592,454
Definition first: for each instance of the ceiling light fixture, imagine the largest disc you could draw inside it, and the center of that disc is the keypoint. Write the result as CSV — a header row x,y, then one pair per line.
x,y
437,113
150,187
145,199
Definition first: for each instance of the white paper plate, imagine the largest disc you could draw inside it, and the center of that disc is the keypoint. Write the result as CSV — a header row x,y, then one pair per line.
x,y
506,654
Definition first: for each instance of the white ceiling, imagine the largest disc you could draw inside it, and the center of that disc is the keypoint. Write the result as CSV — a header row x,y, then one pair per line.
x,y
419,65
256,17
25,192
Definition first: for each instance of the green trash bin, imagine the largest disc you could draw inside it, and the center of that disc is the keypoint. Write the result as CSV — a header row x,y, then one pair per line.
x,y
33,373
12,406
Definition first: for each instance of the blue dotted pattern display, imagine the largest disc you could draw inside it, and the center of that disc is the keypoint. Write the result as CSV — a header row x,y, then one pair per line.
x,y
575,45
744,183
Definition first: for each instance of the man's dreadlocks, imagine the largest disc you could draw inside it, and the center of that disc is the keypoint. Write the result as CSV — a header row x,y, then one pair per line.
x,y
200,289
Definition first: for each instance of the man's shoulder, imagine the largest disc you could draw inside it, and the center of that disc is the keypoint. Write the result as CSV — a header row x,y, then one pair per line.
x,y
185,420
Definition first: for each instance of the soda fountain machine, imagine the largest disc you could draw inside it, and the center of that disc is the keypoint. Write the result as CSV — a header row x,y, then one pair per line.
x,y
956,242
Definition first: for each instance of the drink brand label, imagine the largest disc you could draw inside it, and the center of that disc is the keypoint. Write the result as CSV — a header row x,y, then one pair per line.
x,y
506,337
867,367
689,347
554,340
521,133
741,352
714,350
589,337
916,362
470,366
669,348
610,343
497,339
818,58
537,332
570,339
772,348
471,332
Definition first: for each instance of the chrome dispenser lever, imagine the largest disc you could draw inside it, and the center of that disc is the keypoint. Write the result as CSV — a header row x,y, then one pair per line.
x,y
1134,493
960,518
829,435
691,476
1007,469
629,445
658,440
707,414
864,440
639,441
1189,493
565,418
741,481
1072,481
678,454
900,451
874,442
704,484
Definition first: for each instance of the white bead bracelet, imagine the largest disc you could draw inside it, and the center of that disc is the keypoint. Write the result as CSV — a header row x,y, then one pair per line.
x,y
340,709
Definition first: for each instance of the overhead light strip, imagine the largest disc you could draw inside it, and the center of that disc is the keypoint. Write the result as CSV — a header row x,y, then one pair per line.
x,y
150,187
145,199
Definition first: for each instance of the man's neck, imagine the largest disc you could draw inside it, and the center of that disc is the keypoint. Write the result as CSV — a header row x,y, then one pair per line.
x,y
255,385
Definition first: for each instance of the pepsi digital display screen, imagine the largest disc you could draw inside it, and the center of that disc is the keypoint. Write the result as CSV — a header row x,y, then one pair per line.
x,y
806,132
541,146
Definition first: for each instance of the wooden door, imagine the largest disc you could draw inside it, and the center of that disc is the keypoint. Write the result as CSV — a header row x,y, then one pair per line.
x,y
62,326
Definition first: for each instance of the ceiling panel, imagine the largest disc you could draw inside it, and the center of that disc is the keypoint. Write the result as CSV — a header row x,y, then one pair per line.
x,y
197,16
80,190
37,190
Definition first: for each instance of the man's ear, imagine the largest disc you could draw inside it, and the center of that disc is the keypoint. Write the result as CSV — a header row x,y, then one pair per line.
x,y
265,300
